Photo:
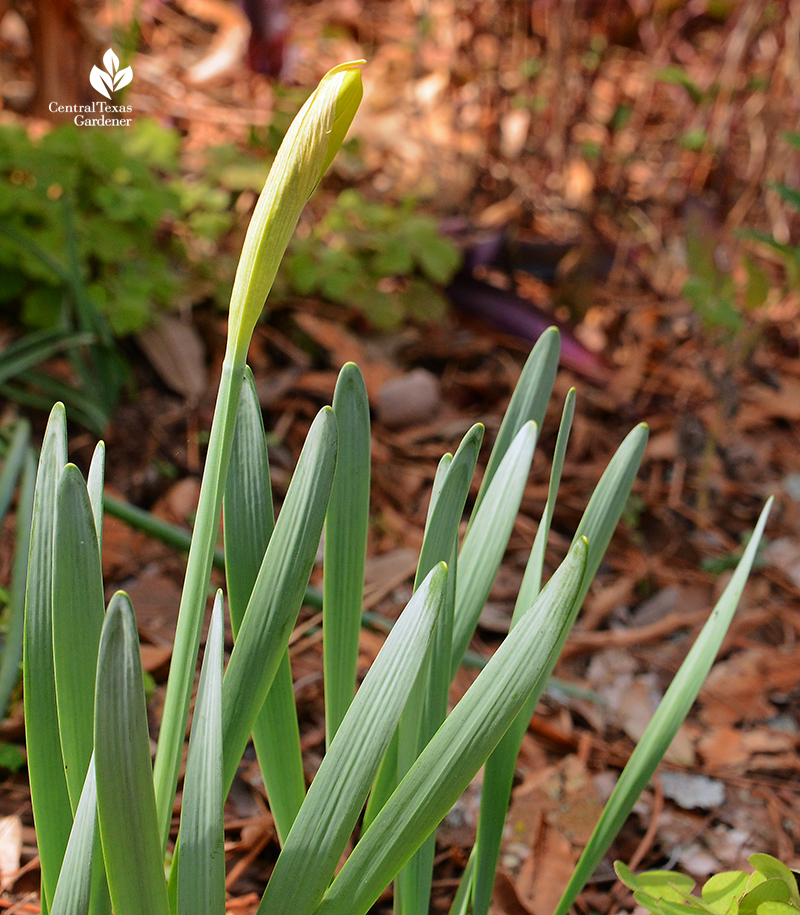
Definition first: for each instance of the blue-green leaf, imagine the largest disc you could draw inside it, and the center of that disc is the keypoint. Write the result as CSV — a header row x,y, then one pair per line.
x,y
78,611
346,527
52,812
279,590
326,820
125,799
201,857
249,521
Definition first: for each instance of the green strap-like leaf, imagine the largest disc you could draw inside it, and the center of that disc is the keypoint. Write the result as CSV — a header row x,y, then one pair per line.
x,y
194,595
326,820
249,521
248,514
125,800
671,712
15,621
276,738
346,528
413,883
501,765
461,745
278,591
427,706
94,485
75,881
385,782
49,797
448,496
528,402
201,859
532,579
486,540
78,611
81,885
12,464
597,524
608,501
447,504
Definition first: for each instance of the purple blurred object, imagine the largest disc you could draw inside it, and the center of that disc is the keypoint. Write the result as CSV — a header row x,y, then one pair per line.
x,y
503,308
514,315
269,25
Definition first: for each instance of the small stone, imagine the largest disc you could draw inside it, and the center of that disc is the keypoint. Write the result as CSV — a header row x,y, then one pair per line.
x,y
693,791
409,400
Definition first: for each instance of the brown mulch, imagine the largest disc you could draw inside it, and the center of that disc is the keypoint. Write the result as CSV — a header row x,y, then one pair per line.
x,y
568,123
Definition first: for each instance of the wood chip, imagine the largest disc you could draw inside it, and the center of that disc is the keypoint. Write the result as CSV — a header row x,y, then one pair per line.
x,y
175,350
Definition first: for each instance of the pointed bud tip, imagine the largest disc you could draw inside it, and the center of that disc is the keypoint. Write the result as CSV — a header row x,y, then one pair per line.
x,y
309,147
348,98
351,91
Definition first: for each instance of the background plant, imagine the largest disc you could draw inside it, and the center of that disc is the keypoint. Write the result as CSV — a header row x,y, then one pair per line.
x,y
770,889
102,231
103,815
387,262
97,235
788,253
113,201
728,290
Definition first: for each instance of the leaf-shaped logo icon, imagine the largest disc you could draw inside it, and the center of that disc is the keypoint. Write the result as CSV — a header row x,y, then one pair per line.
x,y
112,79
111,62
123,77
99,80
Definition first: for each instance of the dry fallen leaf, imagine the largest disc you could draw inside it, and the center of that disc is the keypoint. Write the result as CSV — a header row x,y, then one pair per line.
x,y
175,350
10,847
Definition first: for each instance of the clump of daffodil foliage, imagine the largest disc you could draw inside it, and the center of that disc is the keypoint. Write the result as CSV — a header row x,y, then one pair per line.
x,y
397,756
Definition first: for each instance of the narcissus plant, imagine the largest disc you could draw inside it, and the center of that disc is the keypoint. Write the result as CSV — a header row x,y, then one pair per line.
x,y
397,758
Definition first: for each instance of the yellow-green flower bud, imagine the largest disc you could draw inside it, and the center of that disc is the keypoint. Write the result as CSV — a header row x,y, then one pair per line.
x,y
308,148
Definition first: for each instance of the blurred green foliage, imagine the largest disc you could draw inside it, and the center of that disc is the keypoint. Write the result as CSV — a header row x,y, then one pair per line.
x,y
718,300
788,253
679,76
385,261
771,889
144,237
722,303
100,230
113,202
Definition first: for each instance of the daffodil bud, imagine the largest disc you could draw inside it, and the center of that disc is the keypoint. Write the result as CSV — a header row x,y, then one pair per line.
x,y
308,148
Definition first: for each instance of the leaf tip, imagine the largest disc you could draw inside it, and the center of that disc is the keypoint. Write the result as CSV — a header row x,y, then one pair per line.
x,y
58,413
